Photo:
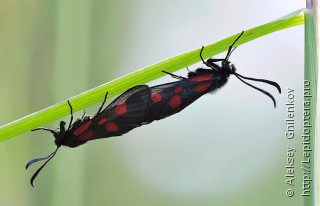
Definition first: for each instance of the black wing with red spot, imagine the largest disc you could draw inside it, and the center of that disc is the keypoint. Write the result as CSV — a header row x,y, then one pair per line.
x,y
125,113
171,98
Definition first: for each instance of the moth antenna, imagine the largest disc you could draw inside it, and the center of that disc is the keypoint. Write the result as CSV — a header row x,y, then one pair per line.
x,y
275,84
261,90
31,162
49,157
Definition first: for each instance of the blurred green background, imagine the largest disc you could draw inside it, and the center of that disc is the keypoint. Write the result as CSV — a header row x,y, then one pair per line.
x,y
225,149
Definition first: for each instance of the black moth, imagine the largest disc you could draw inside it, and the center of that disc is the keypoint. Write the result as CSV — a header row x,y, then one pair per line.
x,y
125,113
142,105
170,98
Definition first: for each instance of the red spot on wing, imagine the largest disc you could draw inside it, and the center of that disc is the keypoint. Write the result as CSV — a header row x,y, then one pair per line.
x,y
177,90
156,97
175,101
203,87
112,127
86,135
102,121
201,78
121,109
82,128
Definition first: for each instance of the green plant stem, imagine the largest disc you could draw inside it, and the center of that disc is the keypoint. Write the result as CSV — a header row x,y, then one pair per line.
x,y
142,76
312,75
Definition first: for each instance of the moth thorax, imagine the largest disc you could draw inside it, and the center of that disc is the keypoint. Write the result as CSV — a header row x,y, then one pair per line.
x,y
228,67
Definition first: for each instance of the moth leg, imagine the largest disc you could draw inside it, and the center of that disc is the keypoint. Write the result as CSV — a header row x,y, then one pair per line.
x,y
103,102
174,76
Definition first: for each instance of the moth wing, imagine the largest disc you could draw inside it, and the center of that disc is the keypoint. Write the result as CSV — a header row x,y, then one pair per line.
x,y
123,114
169,99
